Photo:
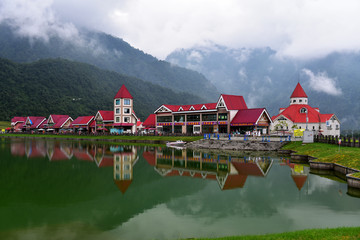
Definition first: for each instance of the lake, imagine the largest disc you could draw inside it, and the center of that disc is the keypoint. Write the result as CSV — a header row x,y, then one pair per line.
x,y
77,190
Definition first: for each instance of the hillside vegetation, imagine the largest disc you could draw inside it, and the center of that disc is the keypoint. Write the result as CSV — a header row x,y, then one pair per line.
x,y
58,86
106,52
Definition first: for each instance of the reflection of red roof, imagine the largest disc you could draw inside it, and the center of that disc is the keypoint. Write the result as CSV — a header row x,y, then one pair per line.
x,y
123,93
150,121
293,114
82,155
298,92
123,185
234,102
248,116
107,161
234,181
36,152
58,155
150,158
83,120
299,180
249,168
18,148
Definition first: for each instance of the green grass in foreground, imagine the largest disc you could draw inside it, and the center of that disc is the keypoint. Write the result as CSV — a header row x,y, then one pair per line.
x,y
332,234
113,137
347,156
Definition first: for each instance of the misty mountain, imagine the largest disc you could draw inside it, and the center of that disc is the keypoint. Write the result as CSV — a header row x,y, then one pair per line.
x,y
267,80
59,86
107,52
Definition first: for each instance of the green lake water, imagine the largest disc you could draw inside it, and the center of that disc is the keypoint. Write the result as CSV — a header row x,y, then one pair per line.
x,y
77,190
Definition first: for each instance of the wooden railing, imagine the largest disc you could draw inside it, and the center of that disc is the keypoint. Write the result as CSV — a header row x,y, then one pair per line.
x,y
345,141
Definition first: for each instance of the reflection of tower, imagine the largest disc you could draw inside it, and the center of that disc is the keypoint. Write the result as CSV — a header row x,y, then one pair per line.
x,y
123,168
298,173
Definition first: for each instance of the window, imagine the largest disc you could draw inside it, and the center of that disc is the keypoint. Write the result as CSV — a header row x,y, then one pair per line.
x,y
294,100
222,116
127,110
126,176
209,117
127,166
126,119
300,100
303,110
313,127
117,102
193,118
179,118
126,101
164,119
117,110
117,119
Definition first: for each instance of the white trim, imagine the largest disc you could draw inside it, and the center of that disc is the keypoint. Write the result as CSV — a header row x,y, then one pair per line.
x,y
50,117
268,116
197,111
41,122
180,109
66,121
221,99
136,118
276,119
162,106
191,108
203,106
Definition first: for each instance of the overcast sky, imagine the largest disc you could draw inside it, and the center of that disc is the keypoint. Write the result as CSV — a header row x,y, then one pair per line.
x,y
297,28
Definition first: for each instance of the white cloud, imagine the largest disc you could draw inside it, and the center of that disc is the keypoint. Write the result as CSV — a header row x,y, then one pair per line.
x,y
299,28
321,82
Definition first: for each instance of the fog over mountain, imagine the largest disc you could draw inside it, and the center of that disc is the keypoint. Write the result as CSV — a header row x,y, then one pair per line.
x,y
267,80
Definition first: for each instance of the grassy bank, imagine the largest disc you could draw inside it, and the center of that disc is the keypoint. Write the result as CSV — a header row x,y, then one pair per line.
x,y
332,234
4,125
111,137
347,156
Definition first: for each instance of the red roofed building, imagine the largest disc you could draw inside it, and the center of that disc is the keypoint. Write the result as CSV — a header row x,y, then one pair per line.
x,y
301,115
34,123
104,120
17,123
229,114
57,122
84,123
123,115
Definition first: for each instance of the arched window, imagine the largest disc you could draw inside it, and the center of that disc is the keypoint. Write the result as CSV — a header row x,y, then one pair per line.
x,y
303,110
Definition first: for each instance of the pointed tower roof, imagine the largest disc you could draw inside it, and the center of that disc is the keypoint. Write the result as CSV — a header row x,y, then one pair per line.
x,y
123,93
298,92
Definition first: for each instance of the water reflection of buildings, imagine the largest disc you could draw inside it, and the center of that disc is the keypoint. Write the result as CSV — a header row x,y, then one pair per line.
x,y
298,173
229,172
121,158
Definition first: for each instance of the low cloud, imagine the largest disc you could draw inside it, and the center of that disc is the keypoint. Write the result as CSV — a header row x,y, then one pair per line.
x,y
321,82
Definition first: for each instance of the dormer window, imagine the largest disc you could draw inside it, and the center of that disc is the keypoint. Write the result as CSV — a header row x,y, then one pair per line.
x,y
294,101
303,110
300,100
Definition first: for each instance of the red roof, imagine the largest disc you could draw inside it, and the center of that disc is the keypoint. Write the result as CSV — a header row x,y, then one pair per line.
x,y
59,120
83,120
58,154
298,92
247,116
234,102
36,121
150,121
150,157
18,119
293,113
81,154
107,115
123,93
